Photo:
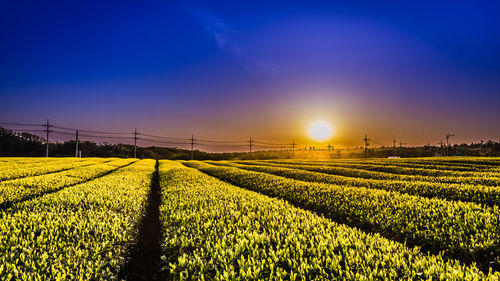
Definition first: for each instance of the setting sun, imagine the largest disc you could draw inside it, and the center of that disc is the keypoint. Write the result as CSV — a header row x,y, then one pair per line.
x,y
320,130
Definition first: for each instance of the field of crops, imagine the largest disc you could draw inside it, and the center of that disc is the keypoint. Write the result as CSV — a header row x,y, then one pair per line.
x,y
358,219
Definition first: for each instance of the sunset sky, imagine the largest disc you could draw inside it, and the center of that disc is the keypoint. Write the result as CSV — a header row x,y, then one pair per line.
x,y
230,70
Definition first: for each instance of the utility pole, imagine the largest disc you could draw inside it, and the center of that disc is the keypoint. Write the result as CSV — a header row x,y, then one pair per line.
x,y
293,149
250,144
192,145
394,146
401,147
47,126
448,144
135,143
76,147
366,139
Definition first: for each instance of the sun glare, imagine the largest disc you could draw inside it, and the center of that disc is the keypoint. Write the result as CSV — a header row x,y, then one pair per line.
x,y
320,130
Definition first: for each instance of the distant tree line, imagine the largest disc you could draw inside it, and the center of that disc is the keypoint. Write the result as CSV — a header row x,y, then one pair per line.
x,y
24,144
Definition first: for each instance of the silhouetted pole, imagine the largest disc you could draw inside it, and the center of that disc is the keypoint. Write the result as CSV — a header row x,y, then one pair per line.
x,y
401,147
293,149
192,145
448,144
366,139
394,146
250,144
135,143
47,126
76,144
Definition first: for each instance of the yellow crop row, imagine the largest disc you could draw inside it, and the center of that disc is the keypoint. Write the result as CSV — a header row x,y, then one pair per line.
x,y
78,233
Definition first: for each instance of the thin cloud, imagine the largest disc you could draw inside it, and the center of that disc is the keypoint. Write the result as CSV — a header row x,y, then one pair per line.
x,y
225,36
221,31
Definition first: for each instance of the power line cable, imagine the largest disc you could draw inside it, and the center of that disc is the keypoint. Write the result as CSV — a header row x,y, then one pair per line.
x,y
221,145
159,141
219,141
93,132
277,144
162,137
24,130
92,136
22,124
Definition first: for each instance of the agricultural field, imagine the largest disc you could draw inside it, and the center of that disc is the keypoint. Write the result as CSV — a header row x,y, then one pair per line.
x,y
356,219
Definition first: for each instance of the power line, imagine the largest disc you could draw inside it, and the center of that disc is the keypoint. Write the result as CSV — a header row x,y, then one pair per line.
x,y
25,130
189,139
61,133
22,124
265,147
221,145
276,144
136,135
159,141
93,132
92,136
219,141
198,141
160,137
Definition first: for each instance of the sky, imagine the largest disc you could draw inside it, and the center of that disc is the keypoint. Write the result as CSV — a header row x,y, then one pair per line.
x,y
231,70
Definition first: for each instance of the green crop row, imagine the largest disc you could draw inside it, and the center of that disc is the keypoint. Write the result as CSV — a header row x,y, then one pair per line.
x,y
79,233
488,195
387,167
21,189
216,231
435,163
18,161
386,162
482,162
20,171
351,172
464,230
493,161
24,162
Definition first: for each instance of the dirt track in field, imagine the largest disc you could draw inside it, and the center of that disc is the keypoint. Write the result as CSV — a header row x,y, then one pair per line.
x,y
144,259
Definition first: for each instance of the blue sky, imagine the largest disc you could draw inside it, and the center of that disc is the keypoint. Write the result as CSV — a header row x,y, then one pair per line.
x,y
255,68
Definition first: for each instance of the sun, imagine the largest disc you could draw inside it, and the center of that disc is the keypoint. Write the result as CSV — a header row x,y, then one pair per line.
x,y
320,130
